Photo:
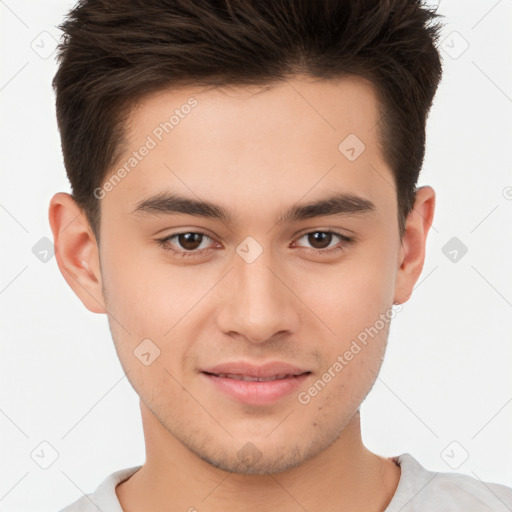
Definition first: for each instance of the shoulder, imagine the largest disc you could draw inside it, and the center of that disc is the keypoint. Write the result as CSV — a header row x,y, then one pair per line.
x,y
104,498
421,490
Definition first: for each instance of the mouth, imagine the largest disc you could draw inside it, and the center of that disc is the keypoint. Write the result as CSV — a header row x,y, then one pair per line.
x,y
250,378
256,385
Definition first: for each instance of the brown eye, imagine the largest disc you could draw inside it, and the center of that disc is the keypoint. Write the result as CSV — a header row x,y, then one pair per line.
x,y
320,239
189,241
186,244
321,242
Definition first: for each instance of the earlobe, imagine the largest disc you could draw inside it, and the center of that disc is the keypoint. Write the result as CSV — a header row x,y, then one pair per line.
x,y
413,247
76,251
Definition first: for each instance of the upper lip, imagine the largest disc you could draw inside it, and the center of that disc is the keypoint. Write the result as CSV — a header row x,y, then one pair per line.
x,y
269,369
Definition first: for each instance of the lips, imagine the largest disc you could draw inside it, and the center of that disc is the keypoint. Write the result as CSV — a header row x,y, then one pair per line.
x,y
241,370
253,379
256,384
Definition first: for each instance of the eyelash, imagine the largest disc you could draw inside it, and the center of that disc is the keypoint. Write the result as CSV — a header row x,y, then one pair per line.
x,y
164,243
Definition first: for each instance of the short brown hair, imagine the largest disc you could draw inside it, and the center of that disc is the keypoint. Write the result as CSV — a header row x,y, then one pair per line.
x,y
114,52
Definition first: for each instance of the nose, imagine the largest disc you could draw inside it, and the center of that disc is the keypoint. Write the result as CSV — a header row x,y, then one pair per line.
x,y
258,302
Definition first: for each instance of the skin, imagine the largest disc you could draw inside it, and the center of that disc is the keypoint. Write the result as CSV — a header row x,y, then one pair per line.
x,y
255,152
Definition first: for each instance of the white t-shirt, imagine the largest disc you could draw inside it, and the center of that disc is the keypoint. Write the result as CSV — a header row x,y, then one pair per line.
x,y
419,490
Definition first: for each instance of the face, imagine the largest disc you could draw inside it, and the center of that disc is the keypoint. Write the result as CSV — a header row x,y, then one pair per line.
x,y
190,287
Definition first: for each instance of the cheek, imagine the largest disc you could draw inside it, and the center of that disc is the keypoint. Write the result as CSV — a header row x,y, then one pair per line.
x,y
351,296
151,301
144,291
349,373
355,301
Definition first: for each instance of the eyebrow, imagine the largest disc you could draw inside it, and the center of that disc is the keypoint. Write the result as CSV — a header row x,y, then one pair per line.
x,y
172,203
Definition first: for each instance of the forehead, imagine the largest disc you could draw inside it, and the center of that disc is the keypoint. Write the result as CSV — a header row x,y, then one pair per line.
x,y
244,145
248,113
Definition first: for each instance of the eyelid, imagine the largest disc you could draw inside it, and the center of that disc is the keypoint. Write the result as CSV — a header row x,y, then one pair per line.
x,y
345,240
343,233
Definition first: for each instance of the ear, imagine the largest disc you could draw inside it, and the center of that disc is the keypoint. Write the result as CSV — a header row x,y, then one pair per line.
x,y
412,251
76,251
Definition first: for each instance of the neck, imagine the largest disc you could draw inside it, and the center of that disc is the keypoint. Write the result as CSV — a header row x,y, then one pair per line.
x,y
344,477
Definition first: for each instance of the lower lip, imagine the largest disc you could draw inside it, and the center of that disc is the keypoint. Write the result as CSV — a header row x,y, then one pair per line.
x,y
257,392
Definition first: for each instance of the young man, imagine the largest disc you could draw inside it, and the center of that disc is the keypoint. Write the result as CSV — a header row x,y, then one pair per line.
x,y
244,210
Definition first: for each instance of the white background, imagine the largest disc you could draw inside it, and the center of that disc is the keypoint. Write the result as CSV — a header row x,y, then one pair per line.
x,y
446,377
